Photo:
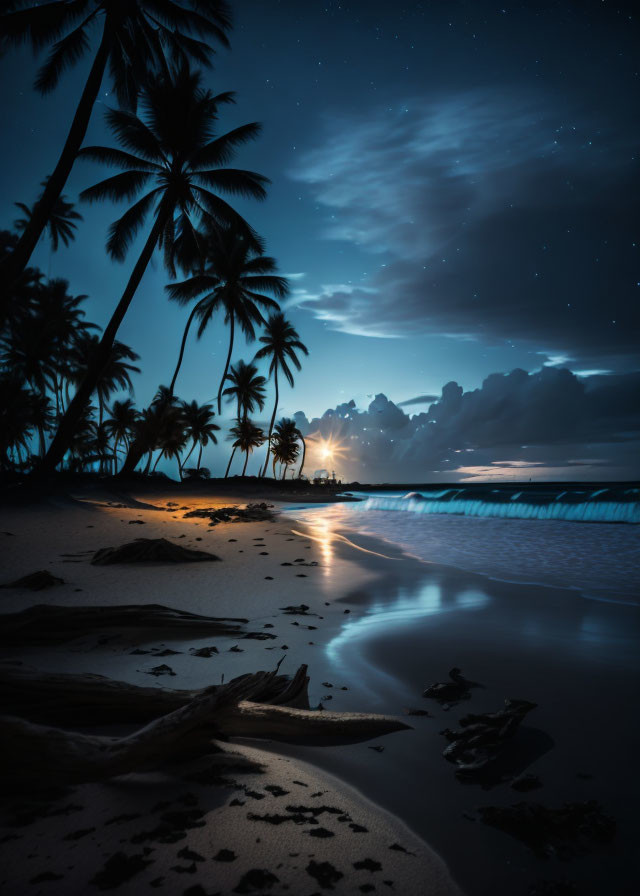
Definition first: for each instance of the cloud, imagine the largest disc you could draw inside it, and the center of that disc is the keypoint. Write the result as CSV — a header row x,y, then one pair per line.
x,y
548,420
496,215
419,399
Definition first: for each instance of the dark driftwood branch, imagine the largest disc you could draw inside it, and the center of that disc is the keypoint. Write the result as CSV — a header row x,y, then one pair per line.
x,y
62,698
248,705
48,624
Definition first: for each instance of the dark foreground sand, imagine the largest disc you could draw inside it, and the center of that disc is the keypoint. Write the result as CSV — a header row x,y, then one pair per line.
x,y
407,624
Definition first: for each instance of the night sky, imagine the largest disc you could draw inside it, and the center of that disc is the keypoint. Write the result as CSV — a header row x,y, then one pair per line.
x,y
455,197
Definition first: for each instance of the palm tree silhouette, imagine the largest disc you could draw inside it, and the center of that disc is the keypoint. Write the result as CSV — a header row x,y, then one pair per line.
x,y
284,444
247,388
236,280
61,222
116,373
199,426
247,436
16,420
120,426
280,344
140,40
177,152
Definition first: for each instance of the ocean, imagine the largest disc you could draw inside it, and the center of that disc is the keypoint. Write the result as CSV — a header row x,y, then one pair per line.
x,y
578,537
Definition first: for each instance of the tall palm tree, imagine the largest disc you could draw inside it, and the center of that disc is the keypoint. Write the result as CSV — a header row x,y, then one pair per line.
x,y
199,426
238,280
284,444
247,436
280,344
247,389
120,426
61,222
42,416
178,154
139,40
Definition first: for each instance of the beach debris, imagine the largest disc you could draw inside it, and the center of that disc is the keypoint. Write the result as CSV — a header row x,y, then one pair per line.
x,y
484,736
253,513
299,610
49,623
141,523
257,880
262,704
150,550
451,691
36,581
118,869
572,829
160,670
367,865
418,712
225,855
325,873
206,652
378,748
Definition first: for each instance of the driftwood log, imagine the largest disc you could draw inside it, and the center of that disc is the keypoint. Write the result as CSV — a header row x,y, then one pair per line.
x,y
50,624
484,736
264,704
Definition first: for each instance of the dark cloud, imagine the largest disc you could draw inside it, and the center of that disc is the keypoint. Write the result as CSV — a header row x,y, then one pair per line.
x,y
496,216
419,399
551,420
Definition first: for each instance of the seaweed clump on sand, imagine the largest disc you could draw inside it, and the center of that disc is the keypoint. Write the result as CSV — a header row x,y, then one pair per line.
x,y
252,513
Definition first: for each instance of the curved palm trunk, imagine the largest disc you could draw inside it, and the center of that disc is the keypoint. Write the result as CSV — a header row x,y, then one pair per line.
x,y
246,461
200,456
157,462
273,467
62,438
229,464
273,419
13,265
182,465
182,347
304,451
148,466
114,464
226,366
43,446
284,474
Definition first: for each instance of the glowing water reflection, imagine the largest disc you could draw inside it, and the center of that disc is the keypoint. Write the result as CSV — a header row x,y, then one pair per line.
x,y
409,606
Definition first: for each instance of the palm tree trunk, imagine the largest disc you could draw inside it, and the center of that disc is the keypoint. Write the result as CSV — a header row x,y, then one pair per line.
x,y
246,461
157,462
226,366
182,465
60,443
13,265
304,451
114,462
182,347
273,467
43,447
273,418
229,464
200,456
284,475
149,459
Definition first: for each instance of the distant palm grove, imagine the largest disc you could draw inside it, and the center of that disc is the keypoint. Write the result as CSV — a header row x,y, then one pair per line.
x,y
66,385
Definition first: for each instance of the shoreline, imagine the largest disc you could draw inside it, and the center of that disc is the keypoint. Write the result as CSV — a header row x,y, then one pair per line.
x,y
351,581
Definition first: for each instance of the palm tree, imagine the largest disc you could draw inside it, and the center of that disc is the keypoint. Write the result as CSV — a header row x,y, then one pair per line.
x,y
176,152
16,419
120,426
114,376
60,223
247,436
140,39
284,444
42,416
199,426
236,280
247,388
280,344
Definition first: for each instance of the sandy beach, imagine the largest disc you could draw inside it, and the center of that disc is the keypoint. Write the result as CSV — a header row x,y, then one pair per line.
x,y
386,814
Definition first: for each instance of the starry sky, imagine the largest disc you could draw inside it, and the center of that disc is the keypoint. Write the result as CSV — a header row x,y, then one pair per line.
x,y
454,198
